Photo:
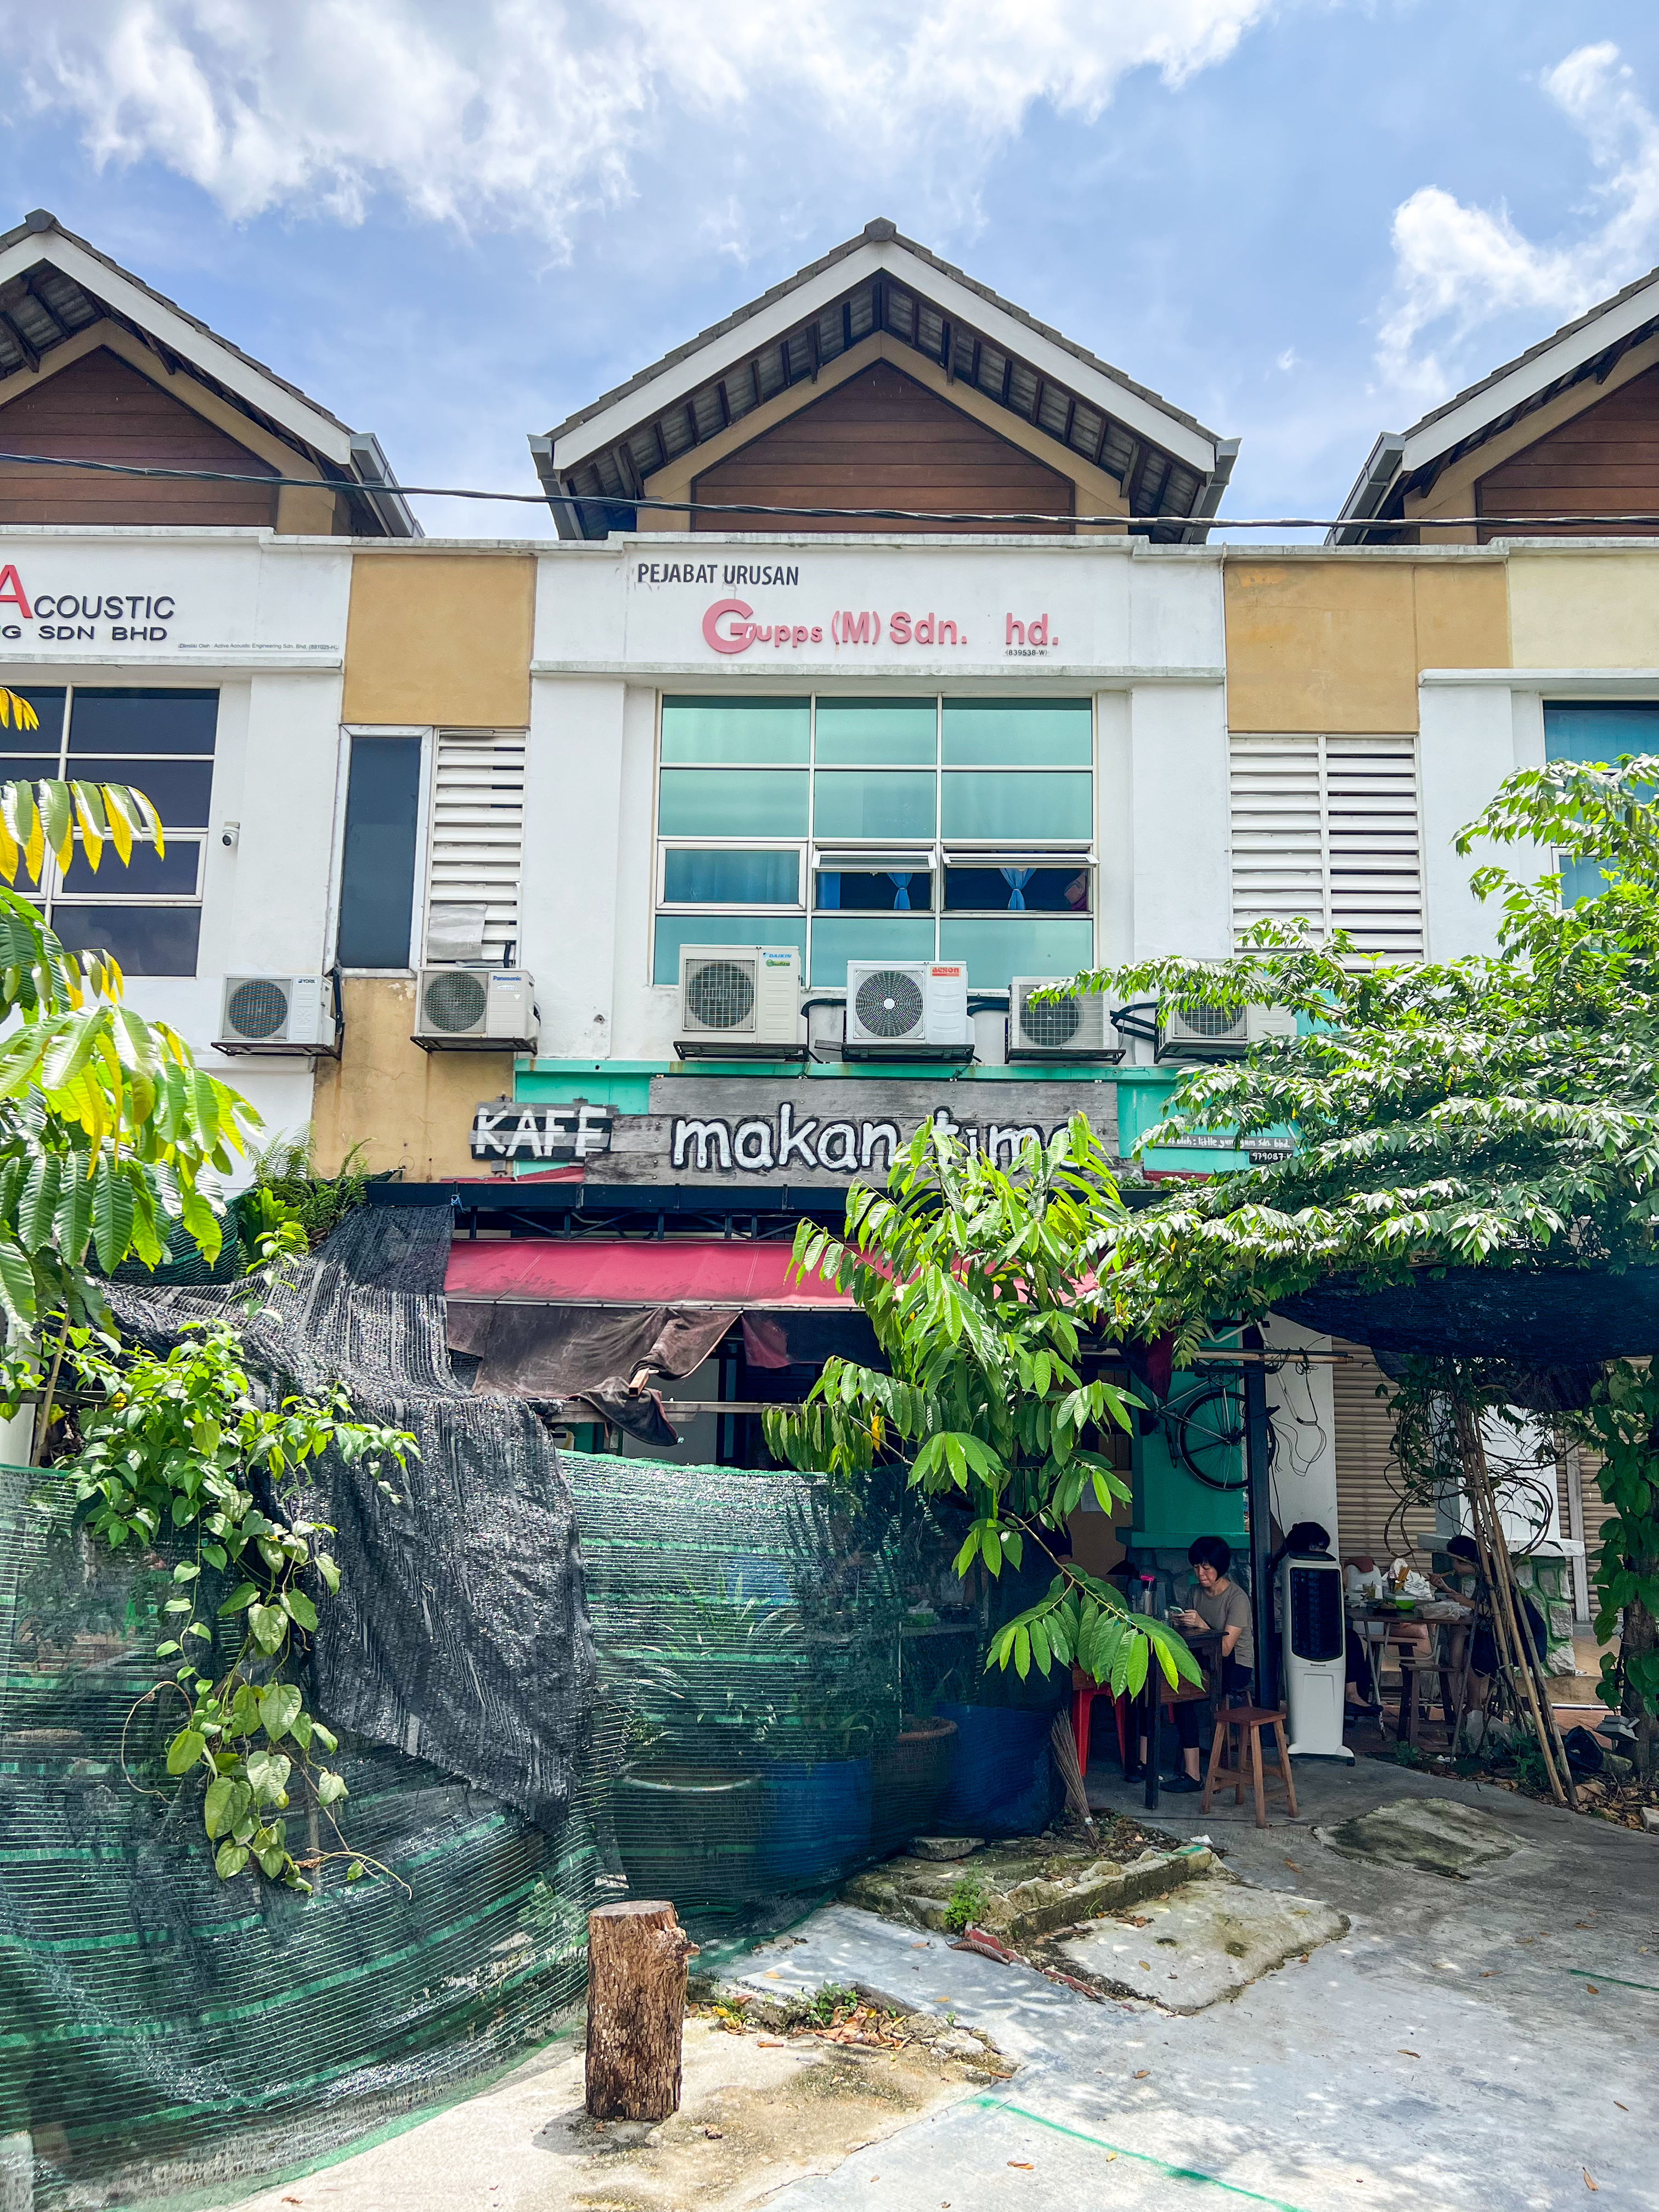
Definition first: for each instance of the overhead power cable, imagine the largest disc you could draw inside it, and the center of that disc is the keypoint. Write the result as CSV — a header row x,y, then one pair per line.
x,y
610,500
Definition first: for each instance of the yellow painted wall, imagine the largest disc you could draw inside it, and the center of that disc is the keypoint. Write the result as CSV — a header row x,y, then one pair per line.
x,y
412,1109
1585,609
1337,644
441,637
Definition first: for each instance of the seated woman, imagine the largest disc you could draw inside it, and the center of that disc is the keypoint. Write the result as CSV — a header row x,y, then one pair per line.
x,y
1214,1601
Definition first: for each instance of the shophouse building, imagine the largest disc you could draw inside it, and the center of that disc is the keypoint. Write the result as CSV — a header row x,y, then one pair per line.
x,y
629,891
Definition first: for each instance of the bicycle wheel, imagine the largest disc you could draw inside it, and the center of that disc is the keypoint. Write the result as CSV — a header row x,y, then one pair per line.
x,y
1207,1433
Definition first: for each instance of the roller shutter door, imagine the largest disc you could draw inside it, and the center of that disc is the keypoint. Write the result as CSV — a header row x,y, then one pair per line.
x,y
1370,1517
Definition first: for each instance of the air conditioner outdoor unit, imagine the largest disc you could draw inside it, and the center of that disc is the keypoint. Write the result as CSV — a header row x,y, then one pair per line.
x,y
1201,1033
740,1002
475,1009
1071,1027
907,1009
280,1014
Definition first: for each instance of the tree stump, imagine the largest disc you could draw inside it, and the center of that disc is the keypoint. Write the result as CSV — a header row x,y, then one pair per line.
x,y
636,1956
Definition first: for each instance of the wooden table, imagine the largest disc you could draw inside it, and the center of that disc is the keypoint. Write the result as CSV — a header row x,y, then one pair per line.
x,y
1397,1628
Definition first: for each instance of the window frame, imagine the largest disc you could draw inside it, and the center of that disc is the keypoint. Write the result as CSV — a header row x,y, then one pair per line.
x,y
48,895
934,855
351,732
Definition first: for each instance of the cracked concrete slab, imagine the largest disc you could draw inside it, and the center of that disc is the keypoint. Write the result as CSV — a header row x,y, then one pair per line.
x,y
1431,1835
1207,1942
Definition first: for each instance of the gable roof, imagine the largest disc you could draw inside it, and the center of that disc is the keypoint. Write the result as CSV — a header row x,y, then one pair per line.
x,y
1172,468
1404,461
53,285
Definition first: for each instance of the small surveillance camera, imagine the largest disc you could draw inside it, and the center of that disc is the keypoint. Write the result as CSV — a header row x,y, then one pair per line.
x,y
230,834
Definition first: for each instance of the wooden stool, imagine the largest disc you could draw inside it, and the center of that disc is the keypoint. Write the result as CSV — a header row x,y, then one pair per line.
x,y
1249,1720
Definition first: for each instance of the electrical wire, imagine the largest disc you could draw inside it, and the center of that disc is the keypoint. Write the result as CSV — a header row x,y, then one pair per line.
x,y
557,499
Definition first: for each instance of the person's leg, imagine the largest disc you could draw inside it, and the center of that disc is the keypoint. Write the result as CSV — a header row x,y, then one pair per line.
x,y
1186,1716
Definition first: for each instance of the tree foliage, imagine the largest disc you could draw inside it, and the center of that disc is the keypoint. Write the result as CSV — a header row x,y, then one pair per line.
x,y
978,1284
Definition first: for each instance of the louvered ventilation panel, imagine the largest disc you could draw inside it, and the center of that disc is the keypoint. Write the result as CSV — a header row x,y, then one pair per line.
x,y
1372,1519
1326,828
477,829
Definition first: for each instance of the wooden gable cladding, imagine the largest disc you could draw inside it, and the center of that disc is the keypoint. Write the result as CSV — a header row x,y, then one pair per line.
x,y
1603,461
100,409
881,440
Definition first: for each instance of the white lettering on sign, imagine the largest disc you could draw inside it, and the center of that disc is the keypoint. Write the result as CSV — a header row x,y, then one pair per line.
x,y
503,1131
779,1142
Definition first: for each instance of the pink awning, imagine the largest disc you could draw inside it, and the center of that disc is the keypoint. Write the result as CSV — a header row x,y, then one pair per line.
x,y
622,1273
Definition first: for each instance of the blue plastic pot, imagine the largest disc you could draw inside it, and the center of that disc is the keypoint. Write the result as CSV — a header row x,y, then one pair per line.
x,y
1001,1779
816,1819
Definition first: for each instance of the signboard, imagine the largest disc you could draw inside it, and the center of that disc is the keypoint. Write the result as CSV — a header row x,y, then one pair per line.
x,y
164,596
730,1131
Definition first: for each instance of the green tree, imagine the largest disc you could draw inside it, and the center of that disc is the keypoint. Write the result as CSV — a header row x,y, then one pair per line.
x,y
978,1285
1493,1111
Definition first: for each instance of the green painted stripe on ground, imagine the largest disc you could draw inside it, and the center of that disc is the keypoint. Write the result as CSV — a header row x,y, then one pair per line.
x,y
1141,2157
1590,1974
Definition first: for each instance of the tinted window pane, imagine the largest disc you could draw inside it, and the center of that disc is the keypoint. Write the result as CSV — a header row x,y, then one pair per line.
x,y
873,732
998,947
1599,730
1018,733
754,878
377,875
143,722
675,930
147,940
49,709
181,792
850,803
27,768
763,731
867,937
1017,890
1017,808
171,874
872,890
718,803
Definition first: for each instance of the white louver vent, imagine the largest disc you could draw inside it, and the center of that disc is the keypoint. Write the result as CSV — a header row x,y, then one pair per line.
x,y
1327,828
477,845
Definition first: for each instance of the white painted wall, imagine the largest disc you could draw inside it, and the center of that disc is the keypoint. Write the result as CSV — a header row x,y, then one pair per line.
x,y
573,833
1301,1406
1181,841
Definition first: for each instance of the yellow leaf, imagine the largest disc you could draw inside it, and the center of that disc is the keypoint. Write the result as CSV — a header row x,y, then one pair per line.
x,y
118,806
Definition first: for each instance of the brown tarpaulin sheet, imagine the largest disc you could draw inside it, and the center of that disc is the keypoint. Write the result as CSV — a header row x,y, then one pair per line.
x,y
591,1354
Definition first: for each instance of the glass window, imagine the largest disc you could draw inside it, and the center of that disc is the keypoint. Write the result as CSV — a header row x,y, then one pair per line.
x,y
377,867
872,890
873,803
877,733
34,753
147,940
997,947
172,874
1018,733
712,802
760,732
180,791
1018,888
1015,808
837,938
131,721
1598,730
757,877
675,930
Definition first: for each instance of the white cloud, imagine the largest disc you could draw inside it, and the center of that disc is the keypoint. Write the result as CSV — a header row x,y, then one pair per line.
x,y
1458,266
524,113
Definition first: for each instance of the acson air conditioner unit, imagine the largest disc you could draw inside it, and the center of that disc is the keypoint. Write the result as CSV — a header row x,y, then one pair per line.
x,y
908,1009
1199,1032
1073,1026
475,1009
280,1014
740,1002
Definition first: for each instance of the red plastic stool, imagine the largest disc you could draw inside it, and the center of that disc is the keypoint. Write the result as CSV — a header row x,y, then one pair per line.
x,y
1084,1691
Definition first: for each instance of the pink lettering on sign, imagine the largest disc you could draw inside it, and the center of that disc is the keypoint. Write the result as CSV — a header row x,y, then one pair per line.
x,y
11,588
729,626
1027,637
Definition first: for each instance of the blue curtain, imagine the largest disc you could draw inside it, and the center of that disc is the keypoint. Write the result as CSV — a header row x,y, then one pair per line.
x,y
829,890
1017,879
902,899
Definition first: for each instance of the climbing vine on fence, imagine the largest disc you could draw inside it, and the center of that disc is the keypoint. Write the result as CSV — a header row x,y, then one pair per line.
x,y
177,1449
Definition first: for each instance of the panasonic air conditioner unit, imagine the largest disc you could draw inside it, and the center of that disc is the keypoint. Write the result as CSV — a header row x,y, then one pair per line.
x,y
280,1014
740,1002
1070,1027
1199,1032
908,1009
475,1009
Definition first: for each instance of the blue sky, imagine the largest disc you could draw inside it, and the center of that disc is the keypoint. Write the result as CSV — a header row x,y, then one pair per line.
x,y
1304,221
